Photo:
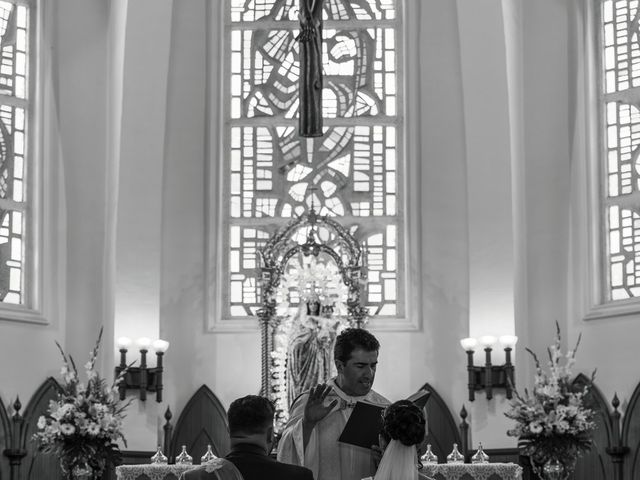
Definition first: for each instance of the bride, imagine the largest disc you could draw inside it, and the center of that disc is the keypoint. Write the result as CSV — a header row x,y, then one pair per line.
x,y
403,434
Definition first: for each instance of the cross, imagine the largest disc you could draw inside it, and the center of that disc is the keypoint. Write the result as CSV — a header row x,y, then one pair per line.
x,y
310,38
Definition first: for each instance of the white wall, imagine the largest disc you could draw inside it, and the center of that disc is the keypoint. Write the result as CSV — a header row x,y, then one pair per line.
x,y
73,73
500,206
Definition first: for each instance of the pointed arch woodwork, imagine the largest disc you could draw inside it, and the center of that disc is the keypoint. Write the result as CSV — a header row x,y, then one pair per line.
x,y
596,463
5,440
443,429
36,465
203,422
631,435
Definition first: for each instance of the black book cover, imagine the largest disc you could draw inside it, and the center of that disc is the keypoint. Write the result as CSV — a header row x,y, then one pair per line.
x,y
365,423
363,426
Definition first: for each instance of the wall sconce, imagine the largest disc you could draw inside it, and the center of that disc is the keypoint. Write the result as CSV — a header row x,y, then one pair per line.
x,y
490,376
142,377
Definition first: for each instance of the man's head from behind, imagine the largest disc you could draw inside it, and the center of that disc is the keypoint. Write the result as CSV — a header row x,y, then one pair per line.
x,y
356,357
251,421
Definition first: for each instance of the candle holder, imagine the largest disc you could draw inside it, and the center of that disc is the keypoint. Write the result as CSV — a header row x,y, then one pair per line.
x,y
142,378
490,376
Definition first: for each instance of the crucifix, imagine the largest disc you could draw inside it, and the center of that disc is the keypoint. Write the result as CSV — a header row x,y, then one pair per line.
x,y
310,39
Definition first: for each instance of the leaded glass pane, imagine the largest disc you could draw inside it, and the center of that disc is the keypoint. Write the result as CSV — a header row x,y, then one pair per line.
x,y
620,88
621,53
279,10
244,289
11,255
14,90
623,140
382,276
624,252
359,72
13,49
12,149
349,172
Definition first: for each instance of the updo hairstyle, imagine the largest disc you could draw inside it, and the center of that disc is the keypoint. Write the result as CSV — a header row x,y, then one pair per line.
x,y
404,421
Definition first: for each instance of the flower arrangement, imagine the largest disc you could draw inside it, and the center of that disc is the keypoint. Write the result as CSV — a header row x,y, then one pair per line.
x,y
83,425
553,421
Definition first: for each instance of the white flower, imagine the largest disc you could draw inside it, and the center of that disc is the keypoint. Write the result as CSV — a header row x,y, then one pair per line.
x,y
42,422
67,429
93,429
65,410
562,426
535,428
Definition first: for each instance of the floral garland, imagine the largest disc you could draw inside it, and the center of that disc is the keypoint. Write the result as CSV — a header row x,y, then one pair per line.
x,y
553,421
83,425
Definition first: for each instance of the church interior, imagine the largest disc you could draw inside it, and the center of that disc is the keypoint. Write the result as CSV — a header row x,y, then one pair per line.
x,y
158,164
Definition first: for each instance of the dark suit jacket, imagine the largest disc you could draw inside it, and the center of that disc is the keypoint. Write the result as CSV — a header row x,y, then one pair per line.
x,y
255,464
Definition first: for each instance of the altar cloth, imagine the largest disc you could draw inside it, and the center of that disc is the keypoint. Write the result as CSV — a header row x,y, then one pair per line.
x,y
473,471
151,471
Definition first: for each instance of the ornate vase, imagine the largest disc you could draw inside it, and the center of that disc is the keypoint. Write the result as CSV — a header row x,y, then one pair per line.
x,y
77,469
554,469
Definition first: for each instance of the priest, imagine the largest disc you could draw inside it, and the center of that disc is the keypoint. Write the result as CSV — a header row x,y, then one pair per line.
x,y
318,416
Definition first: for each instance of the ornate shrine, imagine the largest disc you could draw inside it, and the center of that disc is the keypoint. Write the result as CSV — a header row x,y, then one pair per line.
x,y
330,247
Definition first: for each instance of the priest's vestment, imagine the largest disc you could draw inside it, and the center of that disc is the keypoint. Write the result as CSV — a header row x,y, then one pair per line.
x,y
327,458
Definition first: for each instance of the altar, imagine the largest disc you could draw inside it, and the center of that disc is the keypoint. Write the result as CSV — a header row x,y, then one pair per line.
x,y
473,471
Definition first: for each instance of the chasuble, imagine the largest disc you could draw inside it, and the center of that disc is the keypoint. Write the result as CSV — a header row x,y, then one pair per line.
x,y
327,458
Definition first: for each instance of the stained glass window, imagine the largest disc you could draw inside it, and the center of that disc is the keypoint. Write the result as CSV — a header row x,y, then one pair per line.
x,y
15,160
353,171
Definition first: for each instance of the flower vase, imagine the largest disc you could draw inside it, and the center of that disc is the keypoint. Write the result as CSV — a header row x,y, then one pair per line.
x,y
554,469
76,469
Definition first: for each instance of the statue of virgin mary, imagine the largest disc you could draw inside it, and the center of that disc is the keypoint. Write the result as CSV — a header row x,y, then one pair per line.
x,y
310,349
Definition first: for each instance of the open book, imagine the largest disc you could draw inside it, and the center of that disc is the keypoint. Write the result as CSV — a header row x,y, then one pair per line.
x,y
365,423
420,397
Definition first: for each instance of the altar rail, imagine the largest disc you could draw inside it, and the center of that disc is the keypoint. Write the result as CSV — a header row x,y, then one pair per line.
x,y
615,454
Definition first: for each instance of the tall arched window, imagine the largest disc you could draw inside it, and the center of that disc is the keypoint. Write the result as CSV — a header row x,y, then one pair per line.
x,y
619,104
17,169
353,171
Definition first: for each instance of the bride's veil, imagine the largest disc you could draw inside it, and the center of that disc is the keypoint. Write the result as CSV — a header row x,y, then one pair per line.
x,y
399,462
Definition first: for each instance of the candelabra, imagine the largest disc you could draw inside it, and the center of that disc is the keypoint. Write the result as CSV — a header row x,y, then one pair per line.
x,y
490,376
142,377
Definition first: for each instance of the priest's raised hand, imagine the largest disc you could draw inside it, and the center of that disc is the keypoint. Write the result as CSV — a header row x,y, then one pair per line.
x,y
315,409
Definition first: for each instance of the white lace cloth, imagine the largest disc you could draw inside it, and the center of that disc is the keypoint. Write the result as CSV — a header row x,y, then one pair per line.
x,y
225,468
475,471
151,471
